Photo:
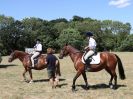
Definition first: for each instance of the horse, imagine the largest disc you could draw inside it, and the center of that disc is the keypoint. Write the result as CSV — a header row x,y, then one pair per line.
x,y
108,61
26,61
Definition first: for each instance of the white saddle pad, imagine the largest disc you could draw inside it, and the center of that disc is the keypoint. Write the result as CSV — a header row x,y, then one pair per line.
x,y
95,59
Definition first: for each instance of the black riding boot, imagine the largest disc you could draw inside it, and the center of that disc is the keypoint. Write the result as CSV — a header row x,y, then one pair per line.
x,y
87,65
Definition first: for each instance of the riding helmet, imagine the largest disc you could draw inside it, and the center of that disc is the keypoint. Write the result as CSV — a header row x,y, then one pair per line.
x,y
89,34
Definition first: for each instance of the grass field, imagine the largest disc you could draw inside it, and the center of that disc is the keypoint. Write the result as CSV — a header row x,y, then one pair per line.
x,y
12,86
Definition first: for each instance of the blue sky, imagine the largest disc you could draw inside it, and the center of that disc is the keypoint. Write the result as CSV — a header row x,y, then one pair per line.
x,y
118,10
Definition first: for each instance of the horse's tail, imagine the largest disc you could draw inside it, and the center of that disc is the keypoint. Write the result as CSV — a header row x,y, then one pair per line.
x,y
58,69
120,68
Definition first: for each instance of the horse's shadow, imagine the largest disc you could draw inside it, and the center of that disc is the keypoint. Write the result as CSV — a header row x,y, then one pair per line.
x,y
5,66
47,80
100,86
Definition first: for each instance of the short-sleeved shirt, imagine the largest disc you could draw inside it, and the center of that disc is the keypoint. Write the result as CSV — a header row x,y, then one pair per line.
x,y
38,47
92,43
51,61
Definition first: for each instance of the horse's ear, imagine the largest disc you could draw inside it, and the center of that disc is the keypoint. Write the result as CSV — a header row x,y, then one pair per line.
x,y
66,44
11,50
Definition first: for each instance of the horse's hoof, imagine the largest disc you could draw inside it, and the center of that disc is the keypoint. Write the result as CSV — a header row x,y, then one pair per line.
x,y
31,82
115,87
87,88
73,90
53,87
111,86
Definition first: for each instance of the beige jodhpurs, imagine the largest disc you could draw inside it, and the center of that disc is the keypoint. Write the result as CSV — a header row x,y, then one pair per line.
x,y
86,55
33,56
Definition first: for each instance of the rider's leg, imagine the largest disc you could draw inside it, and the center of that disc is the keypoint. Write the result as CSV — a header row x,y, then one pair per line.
x,y
87,63
33,56
88,54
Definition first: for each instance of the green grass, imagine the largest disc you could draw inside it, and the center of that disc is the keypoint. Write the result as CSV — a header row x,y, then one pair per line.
x,y
12,86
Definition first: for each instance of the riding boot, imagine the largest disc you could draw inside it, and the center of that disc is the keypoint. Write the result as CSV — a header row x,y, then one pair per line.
x,y
87,68
87,65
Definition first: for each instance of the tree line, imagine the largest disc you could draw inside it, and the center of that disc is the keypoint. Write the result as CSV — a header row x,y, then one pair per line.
x,y
18,35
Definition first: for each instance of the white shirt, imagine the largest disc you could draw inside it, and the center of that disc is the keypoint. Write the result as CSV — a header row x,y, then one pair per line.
x,y
92,43
38,47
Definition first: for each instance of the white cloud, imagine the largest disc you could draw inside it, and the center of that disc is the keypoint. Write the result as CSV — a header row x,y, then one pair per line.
x,y
120,3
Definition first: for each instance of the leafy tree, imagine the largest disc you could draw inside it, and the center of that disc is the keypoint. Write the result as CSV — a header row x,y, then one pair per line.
x,y
59,20
5,21
77,18
127,44
10,36
109,34
70,36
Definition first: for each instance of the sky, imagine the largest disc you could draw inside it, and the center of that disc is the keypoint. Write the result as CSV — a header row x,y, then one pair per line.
x,y
116,10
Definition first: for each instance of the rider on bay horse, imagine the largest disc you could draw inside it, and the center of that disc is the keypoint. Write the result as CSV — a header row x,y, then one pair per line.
x,y
89,50
38,50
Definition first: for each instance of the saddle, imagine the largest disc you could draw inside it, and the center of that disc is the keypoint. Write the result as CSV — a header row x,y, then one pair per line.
x,y
36,58
94,59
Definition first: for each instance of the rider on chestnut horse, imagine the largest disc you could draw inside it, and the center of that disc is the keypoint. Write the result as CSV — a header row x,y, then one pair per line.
x,y
89,50
38,50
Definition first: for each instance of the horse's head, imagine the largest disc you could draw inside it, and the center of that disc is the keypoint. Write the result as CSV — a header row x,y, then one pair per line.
x,y
64,52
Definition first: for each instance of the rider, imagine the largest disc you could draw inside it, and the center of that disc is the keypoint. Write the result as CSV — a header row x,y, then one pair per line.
x,y
89,50
38,49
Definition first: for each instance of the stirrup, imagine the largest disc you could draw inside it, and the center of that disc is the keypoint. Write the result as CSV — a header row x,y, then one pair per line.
x,y
87,68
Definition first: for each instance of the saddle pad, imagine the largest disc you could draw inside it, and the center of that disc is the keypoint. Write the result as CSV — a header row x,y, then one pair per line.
x,y
95,59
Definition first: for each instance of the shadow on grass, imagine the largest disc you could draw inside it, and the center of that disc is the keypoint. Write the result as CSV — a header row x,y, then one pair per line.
x,y
100,86
5,66
61,85
47,80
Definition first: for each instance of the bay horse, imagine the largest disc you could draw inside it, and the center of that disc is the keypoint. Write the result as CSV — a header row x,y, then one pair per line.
x,y
108,61
26,61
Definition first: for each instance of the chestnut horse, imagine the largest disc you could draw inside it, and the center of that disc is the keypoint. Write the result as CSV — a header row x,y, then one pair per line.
x,y
25,59
108,61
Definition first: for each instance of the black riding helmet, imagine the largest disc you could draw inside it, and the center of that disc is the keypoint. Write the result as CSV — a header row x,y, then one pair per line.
x,y
38,40
89,34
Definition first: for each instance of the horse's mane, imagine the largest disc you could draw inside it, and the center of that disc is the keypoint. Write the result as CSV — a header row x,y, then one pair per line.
x,y
21,52
74,49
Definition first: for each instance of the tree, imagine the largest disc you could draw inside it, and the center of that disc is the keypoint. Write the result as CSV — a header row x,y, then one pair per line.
x,y
127,44
70,36
5,21
77,18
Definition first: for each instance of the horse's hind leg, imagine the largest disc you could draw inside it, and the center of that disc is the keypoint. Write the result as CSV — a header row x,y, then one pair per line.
x,y
115,80
113,76
110,82
85,79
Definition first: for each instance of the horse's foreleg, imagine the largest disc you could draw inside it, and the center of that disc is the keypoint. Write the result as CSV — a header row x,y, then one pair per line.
x,y
74,80
30,73
24,77
85,79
